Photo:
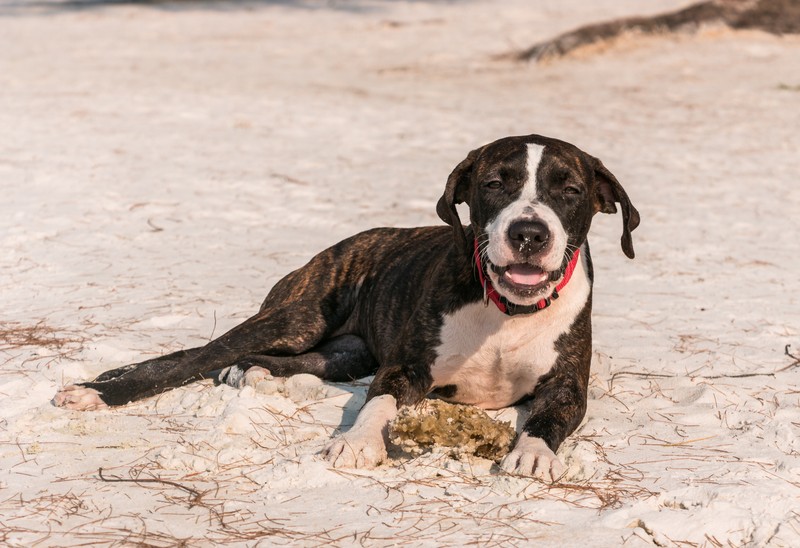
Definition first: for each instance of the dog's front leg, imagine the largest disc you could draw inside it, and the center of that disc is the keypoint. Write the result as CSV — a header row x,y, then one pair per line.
x,y
558,406
364,445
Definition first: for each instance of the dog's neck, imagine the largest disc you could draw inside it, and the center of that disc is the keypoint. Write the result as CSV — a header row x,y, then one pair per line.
x,y
509,308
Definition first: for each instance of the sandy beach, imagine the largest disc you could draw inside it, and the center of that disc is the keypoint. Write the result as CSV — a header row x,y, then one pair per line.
x,y
162,165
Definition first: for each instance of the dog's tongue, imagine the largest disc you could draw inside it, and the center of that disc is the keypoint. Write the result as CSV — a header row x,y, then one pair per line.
x,y
523,274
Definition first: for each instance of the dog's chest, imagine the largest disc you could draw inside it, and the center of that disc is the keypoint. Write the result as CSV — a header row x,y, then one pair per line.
x,y
493,360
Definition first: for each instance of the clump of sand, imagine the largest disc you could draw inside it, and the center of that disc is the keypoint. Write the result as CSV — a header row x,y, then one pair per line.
x,y
464,429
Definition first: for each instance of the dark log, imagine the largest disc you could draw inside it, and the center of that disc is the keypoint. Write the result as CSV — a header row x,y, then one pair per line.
x,y
773,16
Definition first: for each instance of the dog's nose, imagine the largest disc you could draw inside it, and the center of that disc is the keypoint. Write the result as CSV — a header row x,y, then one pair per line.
x,y
528,236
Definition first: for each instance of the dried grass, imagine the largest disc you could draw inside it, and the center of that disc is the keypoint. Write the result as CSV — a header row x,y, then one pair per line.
x,y
14,335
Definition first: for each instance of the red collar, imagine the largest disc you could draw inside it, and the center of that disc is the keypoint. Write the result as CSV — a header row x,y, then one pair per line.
x,y
506,307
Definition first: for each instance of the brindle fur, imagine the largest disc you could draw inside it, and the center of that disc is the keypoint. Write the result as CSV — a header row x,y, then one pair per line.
x,y
341,290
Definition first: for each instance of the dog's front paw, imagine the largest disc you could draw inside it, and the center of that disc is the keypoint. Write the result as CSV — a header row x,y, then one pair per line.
x,y
79,398
532,457
364,445
353,450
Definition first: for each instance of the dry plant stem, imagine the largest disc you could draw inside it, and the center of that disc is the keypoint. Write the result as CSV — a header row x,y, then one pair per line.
x,y
195,500
14,335
796,359
792,365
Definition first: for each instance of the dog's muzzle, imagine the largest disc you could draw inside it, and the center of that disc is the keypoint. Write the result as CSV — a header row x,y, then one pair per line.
x,y
524,274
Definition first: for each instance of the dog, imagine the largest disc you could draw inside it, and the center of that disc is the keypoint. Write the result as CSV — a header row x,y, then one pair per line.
x,y
491,314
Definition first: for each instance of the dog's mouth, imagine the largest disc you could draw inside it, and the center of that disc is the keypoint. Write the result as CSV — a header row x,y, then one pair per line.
x,y
522,278
526,283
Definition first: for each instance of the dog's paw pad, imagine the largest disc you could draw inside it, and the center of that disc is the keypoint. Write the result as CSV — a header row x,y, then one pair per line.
x,y
79,398
532,458
254,375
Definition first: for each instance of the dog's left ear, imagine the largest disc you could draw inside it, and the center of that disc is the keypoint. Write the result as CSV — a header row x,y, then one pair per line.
x,y
610,191
455,192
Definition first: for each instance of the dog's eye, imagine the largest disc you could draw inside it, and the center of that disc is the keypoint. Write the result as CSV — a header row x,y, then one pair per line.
x,y
494,184
572,190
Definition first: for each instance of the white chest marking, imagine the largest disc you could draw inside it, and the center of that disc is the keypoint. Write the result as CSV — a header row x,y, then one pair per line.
x,y
494,360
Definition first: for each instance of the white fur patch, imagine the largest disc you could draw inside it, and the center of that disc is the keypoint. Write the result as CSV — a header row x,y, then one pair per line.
x,y
494,360
532,457
526,206
530,190
79,398
364,445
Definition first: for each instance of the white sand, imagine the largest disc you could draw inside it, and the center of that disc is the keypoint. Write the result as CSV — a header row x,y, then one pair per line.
x,y
161,167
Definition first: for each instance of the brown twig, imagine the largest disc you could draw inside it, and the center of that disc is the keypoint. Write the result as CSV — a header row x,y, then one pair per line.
x,y
661,376
796,359
196,496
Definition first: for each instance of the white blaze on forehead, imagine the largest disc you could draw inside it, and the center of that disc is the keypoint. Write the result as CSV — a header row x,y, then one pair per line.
x,y
535,153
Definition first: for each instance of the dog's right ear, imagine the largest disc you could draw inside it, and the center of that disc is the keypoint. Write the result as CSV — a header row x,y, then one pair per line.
x,y
455,192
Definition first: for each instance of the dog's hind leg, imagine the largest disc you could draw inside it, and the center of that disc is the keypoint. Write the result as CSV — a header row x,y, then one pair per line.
x,y
268,332
301,311
340,359
163,361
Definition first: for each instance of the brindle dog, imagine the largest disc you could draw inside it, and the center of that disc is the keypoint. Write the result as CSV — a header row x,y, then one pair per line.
x,y
491,314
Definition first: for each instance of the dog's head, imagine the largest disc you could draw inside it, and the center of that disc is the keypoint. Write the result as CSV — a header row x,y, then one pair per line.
x,y
531,202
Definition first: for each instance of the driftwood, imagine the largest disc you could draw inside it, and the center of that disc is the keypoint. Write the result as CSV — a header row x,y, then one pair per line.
x,y
773,16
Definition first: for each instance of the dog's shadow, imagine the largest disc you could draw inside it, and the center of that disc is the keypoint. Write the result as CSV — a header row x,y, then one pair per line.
x,y
357,392
333,392
352,407
516,415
